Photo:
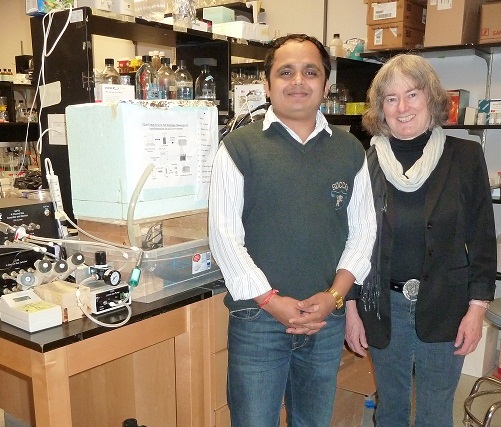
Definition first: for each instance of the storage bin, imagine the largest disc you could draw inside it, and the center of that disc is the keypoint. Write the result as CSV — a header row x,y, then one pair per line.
x,y
218,14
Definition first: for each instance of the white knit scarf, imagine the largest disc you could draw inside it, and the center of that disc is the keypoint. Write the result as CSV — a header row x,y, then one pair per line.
x,y
416,176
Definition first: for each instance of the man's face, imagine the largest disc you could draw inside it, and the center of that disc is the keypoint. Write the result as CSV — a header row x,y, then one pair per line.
x,y
297,83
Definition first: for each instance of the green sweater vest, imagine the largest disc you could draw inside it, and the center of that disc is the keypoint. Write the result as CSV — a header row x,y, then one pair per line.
x,y
295,204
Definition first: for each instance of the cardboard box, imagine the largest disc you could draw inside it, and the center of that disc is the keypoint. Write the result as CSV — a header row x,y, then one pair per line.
x,y
355,383
490,23
411,13
41,7
114,93
460,99
218,14
451,22
470,116
63,294
134,132
485,356
491,107
393,36
243,30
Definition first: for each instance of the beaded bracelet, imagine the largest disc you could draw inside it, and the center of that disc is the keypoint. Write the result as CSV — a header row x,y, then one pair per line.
x,y
483,304
268,297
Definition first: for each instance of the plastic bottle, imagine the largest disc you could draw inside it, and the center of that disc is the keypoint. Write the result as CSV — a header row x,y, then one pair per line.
x,y
336,46
167,80
184,82
205,85
110,75
147,81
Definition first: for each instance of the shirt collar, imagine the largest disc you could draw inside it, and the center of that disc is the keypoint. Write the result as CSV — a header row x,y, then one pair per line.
x,y
320,124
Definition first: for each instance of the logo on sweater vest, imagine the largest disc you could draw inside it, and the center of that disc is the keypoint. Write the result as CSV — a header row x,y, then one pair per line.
x,y
340,194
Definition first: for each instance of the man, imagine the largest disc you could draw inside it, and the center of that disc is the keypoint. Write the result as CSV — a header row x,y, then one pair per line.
x,y
290,216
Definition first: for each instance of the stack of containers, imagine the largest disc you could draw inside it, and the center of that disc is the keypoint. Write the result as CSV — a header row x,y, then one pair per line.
x,y
398,24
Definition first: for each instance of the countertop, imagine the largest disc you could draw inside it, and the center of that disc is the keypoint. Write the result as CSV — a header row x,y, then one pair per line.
x,y
81,329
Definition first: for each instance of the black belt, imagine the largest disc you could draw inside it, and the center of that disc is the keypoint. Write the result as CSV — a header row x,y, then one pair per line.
x,y
409,288
397,286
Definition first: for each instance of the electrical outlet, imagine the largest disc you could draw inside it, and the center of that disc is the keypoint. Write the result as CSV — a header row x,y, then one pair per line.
x,y
57,129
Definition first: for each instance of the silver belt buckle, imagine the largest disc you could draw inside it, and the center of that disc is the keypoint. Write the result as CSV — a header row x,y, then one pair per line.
x,y
411,289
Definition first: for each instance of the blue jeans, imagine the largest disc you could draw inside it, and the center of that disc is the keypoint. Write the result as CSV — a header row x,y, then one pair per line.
x,y
265,364
433,368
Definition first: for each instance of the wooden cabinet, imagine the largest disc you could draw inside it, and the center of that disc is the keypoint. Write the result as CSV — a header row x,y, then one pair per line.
x,y
165,370
218,361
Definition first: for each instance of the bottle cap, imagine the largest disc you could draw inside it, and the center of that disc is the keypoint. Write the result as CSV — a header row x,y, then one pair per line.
x,y
109,61
336,35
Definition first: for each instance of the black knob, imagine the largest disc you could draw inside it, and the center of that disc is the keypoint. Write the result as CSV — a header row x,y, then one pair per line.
x,y
130,422
100,257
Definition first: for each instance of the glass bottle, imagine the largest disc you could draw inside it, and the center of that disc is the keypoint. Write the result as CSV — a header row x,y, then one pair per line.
x,y
336,46
167,80
147,80
155,60
110,75
21,112
184,82
205,85
183,12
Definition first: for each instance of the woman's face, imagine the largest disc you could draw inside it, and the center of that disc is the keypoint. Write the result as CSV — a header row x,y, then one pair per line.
x,y
406,109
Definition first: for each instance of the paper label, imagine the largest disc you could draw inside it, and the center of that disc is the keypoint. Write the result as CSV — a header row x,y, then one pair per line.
x,y
384,10
444,4
34,307
201,262
181,145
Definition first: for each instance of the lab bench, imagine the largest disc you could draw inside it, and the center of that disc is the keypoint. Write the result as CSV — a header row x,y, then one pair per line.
x,y
156,368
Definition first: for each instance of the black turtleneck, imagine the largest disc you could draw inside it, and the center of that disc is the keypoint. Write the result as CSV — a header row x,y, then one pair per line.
x,y
408,214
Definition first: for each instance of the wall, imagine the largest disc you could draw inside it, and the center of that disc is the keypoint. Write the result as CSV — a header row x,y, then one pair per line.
x,y
15,30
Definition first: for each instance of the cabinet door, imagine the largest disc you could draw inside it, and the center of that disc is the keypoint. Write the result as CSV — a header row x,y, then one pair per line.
x,y
219,323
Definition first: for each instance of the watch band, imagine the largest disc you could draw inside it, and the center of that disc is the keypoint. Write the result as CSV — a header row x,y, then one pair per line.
x,y
337,296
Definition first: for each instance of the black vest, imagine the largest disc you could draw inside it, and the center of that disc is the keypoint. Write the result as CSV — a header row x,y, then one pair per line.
x,y
295,204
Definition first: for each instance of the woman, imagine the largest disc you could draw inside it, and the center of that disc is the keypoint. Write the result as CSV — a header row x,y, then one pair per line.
x,y
421,308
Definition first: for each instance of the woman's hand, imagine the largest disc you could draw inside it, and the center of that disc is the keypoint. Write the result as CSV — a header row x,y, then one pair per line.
x,y
470,330
355,331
